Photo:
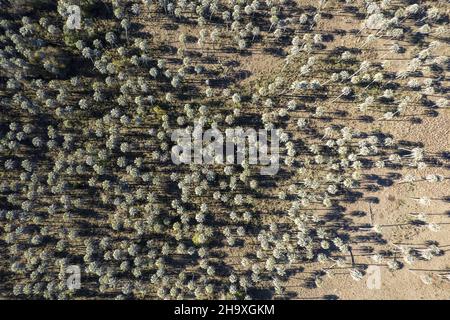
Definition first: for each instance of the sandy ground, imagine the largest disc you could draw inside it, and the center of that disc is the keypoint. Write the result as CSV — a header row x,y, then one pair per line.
x,y
396,204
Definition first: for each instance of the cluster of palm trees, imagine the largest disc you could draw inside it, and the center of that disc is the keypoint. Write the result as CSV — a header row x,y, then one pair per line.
x,y
85,127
